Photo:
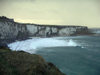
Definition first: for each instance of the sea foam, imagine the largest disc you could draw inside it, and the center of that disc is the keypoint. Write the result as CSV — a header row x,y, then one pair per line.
x,y
32,45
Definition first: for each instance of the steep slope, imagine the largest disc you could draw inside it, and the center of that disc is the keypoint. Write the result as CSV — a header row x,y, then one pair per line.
x,y
22,63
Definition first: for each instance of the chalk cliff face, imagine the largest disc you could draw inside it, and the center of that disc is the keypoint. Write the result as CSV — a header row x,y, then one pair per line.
x,y
10,30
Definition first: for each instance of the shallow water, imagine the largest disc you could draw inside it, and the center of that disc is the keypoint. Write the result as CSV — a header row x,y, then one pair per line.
x,y
79,55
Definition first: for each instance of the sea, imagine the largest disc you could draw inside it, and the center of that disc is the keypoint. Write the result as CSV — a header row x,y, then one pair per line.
x,y
73,55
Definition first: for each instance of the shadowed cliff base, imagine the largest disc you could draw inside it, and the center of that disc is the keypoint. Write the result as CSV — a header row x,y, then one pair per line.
x,y
22,63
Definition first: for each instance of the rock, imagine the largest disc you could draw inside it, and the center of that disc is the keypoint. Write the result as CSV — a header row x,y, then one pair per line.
x,y
23,63
5,18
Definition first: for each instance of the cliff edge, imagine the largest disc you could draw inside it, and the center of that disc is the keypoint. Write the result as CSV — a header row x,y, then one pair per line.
x,y
22,63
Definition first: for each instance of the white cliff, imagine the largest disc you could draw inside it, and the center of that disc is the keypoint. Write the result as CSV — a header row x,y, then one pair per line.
x,y
11,31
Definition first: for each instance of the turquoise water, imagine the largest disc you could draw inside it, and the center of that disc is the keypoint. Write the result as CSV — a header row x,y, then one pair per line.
x,y
83,59
77,55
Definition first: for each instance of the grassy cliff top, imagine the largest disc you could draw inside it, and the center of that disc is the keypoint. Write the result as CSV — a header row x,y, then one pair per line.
x,y
23,63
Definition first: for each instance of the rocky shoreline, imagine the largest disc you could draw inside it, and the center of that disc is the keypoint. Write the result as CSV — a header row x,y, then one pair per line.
x,y
23,63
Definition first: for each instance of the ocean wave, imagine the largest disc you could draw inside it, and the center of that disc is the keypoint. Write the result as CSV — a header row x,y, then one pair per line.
x,y
32,45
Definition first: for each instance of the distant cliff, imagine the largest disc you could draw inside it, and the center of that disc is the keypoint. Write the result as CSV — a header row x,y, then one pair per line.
x,y
96,31
10,30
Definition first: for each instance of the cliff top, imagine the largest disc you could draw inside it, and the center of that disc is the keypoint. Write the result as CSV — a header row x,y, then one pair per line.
x,y
3,18
23,63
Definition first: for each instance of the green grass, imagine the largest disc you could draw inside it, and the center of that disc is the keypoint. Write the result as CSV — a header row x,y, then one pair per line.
x,y
23,63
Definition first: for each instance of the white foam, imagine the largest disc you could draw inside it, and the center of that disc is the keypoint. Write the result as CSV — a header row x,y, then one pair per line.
x,y
31,45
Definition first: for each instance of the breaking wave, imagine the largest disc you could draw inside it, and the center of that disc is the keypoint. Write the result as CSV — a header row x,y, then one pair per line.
x,y
31,45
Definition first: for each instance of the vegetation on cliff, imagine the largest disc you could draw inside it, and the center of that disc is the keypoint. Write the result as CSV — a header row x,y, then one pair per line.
x,y
23,63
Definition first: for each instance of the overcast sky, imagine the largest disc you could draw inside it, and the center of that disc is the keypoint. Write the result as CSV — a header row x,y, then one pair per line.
x,y
62,12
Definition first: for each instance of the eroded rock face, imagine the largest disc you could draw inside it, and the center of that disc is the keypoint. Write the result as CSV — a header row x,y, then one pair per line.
x,y
22,63
11,31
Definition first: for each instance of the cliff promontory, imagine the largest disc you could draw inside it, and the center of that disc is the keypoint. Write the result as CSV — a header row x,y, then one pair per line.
x,y
22,63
